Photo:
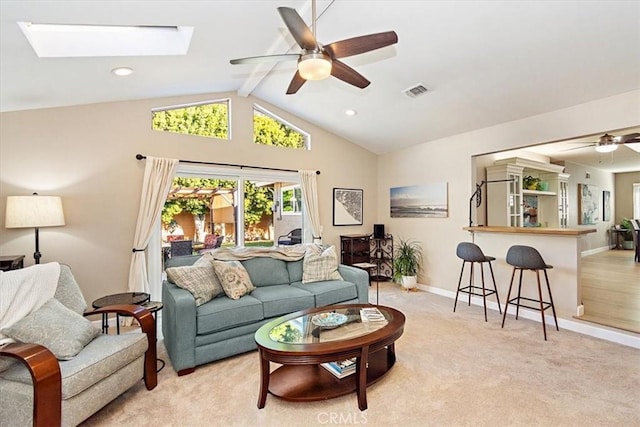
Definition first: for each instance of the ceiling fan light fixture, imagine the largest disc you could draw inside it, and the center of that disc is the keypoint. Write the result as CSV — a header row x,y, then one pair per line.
x,y
606,148
314,66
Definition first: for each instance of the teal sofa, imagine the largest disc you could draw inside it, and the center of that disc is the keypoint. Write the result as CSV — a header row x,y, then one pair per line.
x,y
224,327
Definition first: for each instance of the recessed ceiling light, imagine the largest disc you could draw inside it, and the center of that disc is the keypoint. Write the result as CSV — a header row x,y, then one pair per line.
x,y
122,71
350,112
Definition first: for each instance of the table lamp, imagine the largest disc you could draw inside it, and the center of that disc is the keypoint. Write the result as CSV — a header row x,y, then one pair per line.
x,y
34,211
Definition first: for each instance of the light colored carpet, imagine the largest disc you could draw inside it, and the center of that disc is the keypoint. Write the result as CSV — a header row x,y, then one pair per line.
x,y
453,369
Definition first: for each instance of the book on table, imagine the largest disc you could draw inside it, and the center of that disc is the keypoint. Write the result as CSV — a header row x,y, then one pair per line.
x,y
342,368
371,314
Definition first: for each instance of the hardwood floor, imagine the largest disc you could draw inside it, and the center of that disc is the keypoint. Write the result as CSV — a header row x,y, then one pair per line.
x,y
610,284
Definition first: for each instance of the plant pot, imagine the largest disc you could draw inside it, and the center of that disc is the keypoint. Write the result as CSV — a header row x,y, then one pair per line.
x,y
627,244
409,282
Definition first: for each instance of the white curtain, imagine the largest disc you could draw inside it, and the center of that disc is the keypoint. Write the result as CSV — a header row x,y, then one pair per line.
x,y
158,175
310,199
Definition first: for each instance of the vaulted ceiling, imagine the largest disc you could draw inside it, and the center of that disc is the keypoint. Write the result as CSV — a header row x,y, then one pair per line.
x,y
483,62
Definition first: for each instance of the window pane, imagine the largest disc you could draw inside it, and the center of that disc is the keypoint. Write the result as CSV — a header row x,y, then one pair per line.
x,y
271,130
198,207
210,120
288,222
258,213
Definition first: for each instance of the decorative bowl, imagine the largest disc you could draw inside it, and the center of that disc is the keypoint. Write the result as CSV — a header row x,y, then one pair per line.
x,y
329,320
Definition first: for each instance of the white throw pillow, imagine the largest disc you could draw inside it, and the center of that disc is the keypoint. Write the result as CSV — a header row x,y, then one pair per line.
x,y
200,280
64,332
320,263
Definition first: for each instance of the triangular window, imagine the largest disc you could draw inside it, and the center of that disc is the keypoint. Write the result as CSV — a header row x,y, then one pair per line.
x,y
269,129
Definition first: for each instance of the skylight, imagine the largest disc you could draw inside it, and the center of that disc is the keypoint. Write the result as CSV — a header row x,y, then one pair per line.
x,y
72,41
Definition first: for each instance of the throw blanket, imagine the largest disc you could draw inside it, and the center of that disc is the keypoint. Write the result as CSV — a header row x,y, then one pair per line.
x,y
285,253
26,290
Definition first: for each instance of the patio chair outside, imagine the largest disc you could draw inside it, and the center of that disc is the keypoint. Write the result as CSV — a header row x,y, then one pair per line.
x,y
181,248
293,238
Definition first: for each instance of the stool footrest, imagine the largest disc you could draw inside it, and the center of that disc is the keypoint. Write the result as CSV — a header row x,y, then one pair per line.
x,y
545,304
466,290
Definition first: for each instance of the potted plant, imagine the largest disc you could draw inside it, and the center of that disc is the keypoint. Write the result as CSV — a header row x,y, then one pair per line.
x,y
407,261
531,183
628,236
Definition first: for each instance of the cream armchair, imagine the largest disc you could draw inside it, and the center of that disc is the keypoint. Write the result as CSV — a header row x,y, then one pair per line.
x,y
38,389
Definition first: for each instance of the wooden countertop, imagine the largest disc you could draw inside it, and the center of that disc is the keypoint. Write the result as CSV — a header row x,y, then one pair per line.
x,y
533,230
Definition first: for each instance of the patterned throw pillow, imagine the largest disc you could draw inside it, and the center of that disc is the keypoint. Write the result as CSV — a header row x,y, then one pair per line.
x,y
320,263
234,278
64,332
200,280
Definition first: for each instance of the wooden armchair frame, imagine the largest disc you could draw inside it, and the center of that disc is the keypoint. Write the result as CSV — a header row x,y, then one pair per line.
x,y
45,370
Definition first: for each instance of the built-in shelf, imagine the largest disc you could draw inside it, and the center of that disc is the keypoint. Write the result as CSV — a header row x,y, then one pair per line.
x,y
539,193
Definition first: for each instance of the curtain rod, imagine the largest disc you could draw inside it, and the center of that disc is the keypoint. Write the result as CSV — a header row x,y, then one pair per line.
x,y
195,162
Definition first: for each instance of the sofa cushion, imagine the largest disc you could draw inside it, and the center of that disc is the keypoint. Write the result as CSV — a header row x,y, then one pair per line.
x,y
99,359
283,299
265,271
222,313
295,271
68,292
330,291
56,327
181,261
234,278
200,280
320,263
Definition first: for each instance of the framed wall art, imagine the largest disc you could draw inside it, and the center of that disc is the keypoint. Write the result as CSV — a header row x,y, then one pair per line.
x,y
420,201
347,206
588,202
606,205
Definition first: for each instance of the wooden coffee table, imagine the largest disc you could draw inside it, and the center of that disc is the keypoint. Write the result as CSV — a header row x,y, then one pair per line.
x,y
297,343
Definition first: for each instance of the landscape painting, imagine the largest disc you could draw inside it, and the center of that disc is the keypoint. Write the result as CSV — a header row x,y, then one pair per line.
x,y
420,201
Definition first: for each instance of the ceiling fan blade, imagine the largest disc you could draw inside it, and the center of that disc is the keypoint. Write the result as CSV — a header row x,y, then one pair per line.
x,y
298,29
624,139
361,44
296,83
581,147
347,74
265,58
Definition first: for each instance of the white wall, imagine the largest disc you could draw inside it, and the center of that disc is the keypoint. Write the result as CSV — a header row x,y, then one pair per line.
x,y
86,154
624,191
449,160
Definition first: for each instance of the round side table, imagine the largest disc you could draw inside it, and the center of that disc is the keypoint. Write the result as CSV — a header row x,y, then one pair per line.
x,y
135,298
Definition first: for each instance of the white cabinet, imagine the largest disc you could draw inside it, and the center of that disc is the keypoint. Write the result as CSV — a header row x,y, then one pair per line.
x,y
508,204
504,199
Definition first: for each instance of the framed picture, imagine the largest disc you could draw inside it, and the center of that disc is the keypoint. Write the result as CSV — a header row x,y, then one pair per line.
x,y
588,203
606,205
347,206
419,201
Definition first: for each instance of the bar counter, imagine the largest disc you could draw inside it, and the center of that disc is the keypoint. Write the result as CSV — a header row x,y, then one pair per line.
x,y
533,230
560,247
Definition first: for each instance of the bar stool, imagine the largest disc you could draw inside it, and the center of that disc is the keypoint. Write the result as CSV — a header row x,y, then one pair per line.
x,y
528,258
470,252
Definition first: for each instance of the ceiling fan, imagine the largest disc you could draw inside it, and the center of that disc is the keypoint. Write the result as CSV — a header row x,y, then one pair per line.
x,y
608,143
317,61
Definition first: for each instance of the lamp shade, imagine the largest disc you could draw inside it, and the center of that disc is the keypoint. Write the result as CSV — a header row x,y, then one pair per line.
x,y
314,66
606,148
34,211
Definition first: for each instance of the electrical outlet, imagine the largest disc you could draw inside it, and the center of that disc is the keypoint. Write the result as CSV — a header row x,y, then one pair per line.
x,y
580,310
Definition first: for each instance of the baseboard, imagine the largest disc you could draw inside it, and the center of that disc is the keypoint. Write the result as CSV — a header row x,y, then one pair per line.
x,y
595,251
628,339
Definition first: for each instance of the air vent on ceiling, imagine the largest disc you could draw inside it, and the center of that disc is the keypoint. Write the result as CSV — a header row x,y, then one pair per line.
x,y
415,91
